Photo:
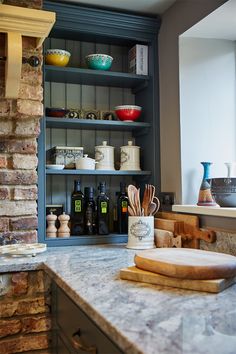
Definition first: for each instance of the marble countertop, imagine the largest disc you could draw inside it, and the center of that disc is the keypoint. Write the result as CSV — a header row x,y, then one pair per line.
x,y
140,318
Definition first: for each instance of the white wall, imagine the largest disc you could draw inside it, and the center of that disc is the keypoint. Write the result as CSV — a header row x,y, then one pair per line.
x,y
181,16
207,109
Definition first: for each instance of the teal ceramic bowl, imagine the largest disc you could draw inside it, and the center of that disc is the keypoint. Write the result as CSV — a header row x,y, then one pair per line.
x,y
99,61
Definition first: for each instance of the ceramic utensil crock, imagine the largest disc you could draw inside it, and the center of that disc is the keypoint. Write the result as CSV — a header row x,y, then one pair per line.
x,y
104,156
130,157
140,232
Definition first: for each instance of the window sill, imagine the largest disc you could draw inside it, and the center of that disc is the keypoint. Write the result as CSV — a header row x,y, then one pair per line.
x,y
201,210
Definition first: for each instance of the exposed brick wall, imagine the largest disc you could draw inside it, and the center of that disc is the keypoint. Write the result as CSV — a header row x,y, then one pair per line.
x,y
25,313
19,129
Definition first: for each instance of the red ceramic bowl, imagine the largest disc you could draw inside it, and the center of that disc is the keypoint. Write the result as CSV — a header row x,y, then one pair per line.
x,y
128,113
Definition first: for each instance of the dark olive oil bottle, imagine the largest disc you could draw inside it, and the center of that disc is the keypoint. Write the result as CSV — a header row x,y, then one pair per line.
x,y
103,210
122,210
77,210
90,212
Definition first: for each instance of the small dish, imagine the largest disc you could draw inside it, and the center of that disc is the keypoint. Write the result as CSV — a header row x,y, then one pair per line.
x,y
56,112
23,249
55,167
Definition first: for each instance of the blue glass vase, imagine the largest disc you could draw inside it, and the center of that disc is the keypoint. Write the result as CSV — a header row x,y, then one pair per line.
x,y
205,197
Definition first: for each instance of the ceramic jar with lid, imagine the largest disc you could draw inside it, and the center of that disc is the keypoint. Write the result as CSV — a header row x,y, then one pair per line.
x,y
130,157
85,163
104,156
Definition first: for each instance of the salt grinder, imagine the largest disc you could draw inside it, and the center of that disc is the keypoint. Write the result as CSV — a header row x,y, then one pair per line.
x,y
64,230
51,230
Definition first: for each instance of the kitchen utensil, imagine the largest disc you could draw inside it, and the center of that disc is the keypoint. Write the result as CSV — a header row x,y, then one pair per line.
x,y
57,57
64,230
134,199
187,263
99,61
104,156
128,113
140,232
85,163
211,286
146,200
154,206
131,211
51,230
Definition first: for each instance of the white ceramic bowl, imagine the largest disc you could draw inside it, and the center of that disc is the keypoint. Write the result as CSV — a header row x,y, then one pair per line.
x,y
55,167
85,163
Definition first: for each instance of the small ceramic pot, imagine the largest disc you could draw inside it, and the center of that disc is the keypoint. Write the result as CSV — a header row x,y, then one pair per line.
x,y
141,232
130,157
104,156
85,163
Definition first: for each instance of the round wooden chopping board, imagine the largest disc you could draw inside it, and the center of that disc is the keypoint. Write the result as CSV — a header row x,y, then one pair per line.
x,y
187,263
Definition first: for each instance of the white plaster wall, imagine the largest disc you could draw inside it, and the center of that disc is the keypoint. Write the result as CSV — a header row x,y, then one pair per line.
x,y
181,16
207,109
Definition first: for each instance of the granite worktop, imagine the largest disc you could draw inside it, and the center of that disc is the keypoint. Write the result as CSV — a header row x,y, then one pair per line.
x,y
140,318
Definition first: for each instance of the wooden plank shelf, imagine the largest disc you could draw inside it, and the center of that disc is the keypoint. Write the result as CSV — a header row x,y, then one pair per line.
x,y
94,77
87,240
97,172
75,123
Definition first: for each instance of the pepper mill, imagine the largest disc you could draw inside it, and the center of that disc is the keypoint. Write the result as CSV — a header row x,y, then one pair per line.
x,y
51,230
64,230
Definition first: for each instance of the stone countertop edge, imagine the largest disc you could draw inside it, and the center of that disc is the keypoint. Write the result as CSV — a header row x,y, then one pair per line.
x,y
140,318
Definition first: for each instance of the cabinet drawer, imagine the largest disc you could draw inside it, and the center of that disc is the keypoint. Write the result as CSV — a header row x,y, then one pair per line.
x,y
71,319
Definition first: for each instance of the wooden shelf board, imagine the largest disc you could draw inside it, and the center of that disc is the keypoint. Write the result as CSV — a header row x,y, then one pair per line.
x,y
75,123
93,77
87,240
97,172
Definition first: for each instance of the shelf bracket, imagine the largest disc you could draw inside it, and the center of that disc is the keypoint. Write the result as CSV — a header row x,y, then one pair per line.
x,y
17,22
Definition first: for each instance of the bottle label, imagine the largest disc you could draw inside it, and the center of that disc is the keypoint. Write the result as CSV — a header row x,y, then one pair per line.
x,y
103,207
124,206
78,206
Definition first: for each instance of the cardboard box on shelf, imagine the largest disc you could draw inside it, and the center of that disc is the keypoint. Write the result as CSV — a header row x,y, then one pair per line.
x,y
138,59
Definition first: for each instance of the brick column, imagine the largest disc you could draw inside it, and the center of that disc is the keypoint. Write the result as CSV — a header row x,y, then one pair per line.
x,y
19,129
25,318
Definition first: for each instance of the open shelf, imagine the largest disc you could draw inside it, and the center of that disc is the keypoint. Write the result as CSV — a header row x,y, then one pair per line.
x,y
97,172
87,240
75,123
94,77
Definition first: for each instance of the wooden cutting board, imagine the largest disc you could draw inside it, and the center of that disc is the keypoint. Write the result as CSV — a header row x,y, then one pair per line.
x,y
187,263
139,275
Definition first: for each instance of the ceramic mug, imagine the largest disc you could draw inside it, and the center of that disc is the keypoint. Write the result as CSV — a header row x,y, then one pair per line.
x,y
140,232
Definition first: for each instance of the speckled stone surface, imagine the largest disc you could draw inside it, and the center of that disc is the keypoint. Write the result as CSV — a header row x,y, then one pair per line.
x,y
225,243
140,318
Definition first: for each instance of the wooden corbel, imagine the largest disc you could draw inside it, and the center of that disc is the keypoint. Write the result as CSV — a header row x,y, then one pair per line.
x,y
17,22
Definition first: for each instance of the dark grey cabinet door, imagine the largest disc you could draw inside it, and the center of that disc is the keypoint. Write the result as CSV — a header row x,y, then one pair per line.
x,y
80,330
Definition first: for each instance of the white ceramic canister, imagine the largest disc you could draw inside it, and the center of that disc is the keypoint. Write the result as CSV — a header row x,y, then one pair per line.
x,y
104,156
130,157
85,163
141,232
